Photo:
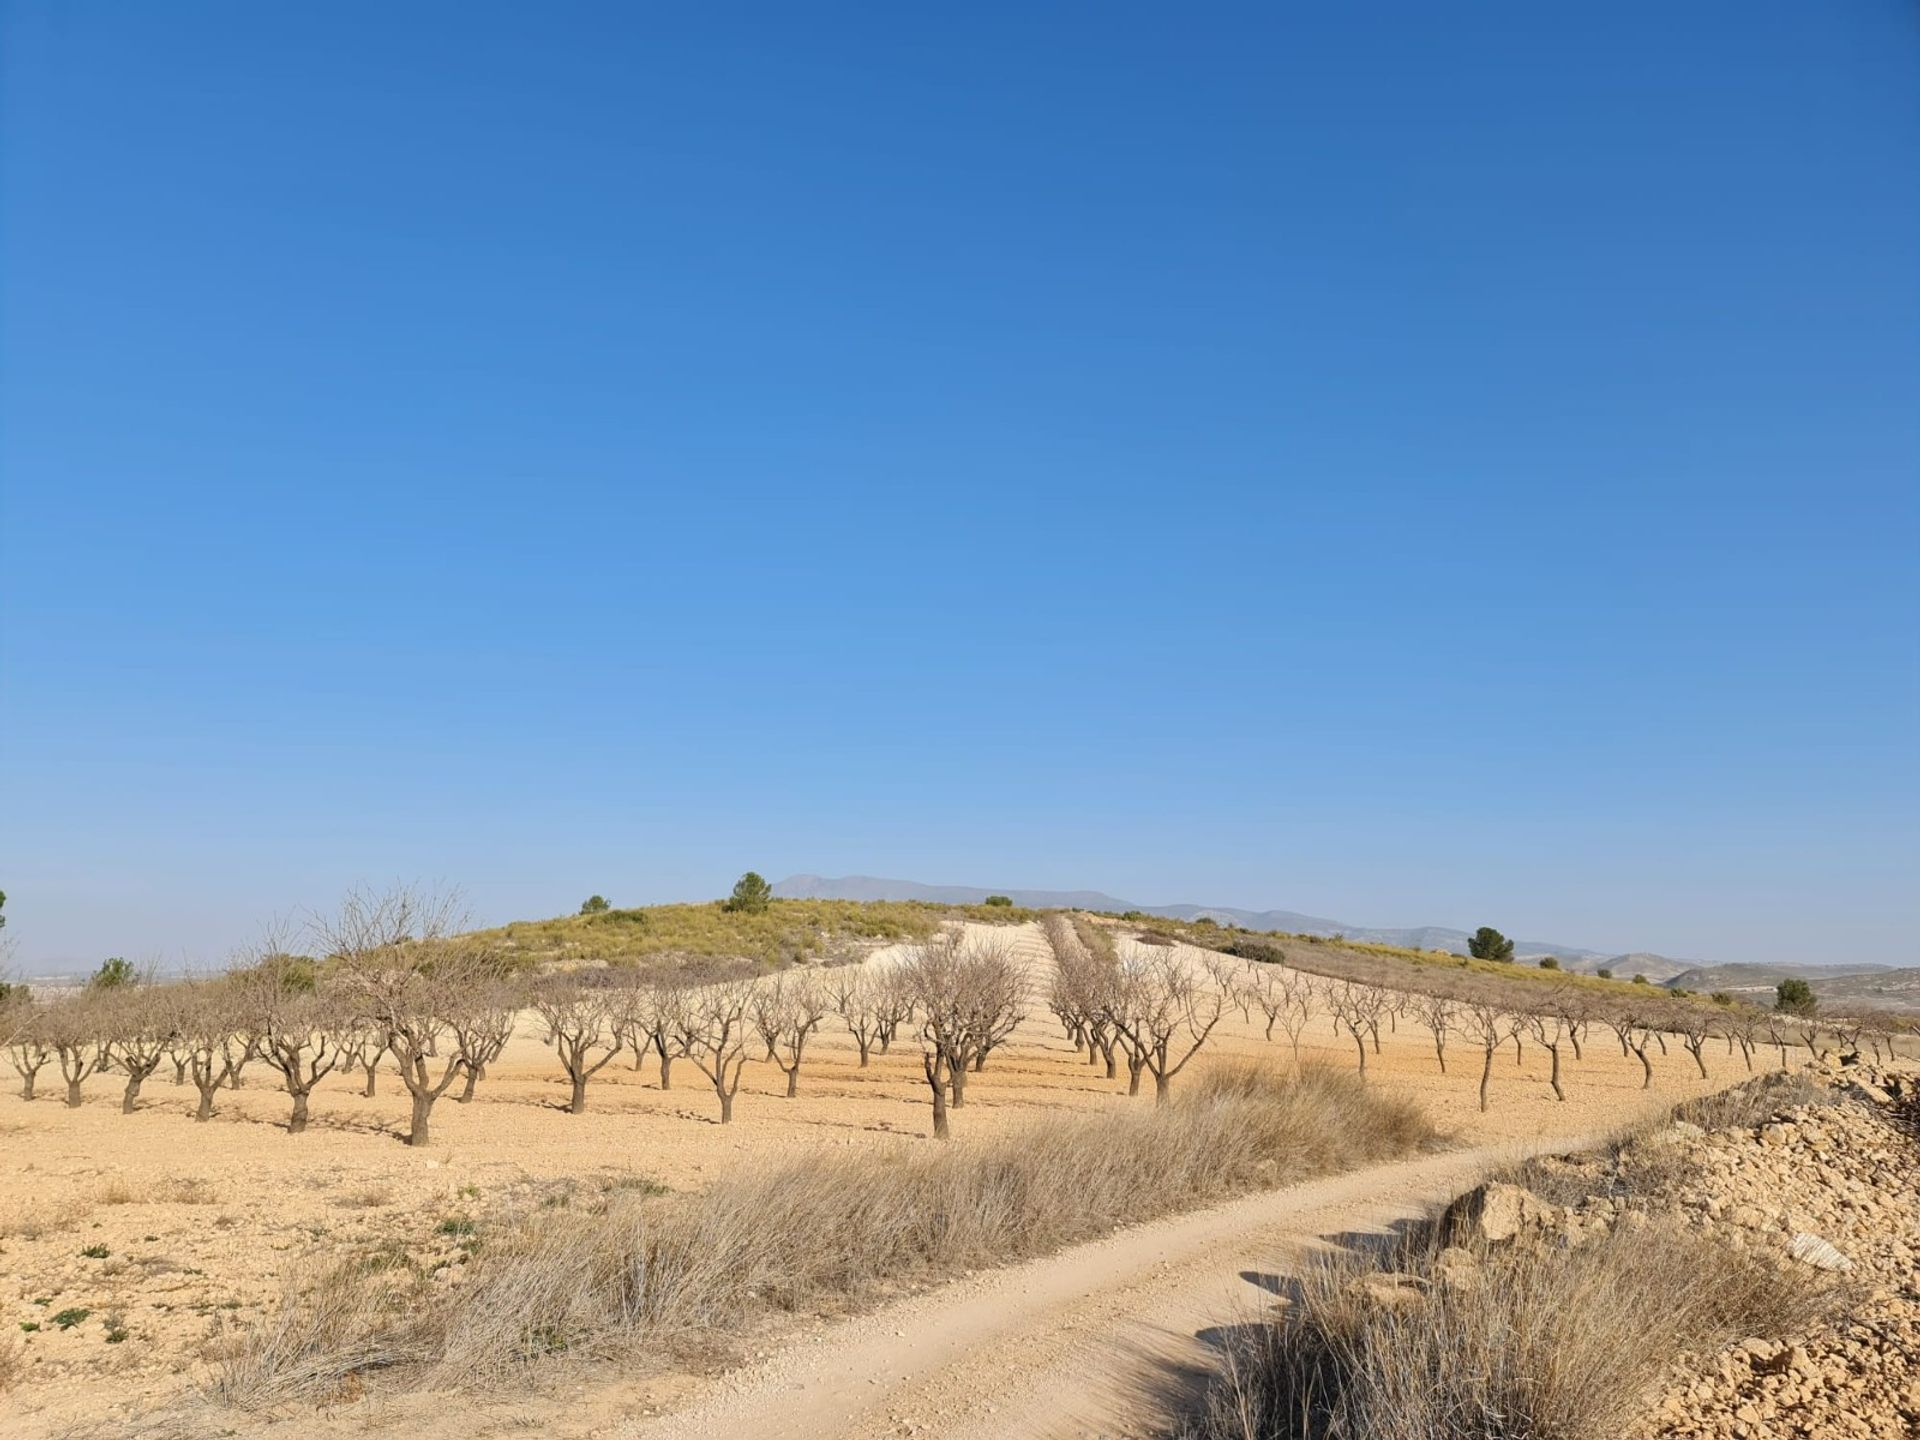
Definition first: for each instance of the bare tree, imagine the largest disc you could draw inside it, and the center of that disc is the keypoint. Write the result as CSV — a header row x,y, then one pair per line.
x,y
1302,995
1081,993
300,1040
1778,1031
649,1016
1549,1027
713,1031
1695,1025
580,1027
209,1015
786,1011
1635,1032
366,1046
1490,1026
482,1025
1165,1012
410,972
1437,1013
857,1003
138,1024
72,1028
964,992
1356,1009
893,1007
28,1049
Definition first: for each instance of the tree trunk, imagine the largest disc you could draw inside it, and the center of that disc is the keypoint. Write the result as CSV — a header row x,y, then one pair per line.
x,y
1554,1078
73,1094
130,1097
1699,1059
26,1084
1440,1054
726,1106
466,1090
1162,1088
422,1110
793,1082
1134,1070
957,1084
1646,1067
1576,1045
666,1071
373,1077
205,1110
1517,1061
1486,1078
179,1072
298,1121
1360,1044
577,1102
939,1111
866,1050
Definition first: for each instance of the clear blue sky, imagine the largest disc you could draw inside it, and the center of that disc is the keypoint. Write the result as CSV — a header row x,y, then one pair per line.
x,y
1411,463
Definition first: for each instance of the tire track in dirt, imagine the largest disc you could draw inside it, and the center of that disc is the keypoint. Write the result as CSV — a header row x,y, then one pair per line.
x,y
1102,1340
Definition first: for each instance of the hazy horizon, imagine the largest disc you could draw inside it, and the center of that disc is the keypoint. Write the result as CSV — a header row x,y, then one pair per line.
x,y
1424,468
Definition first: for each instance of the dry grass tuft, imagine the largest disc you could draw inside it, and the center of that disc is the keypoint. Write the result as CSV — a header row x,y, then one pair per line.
x,y
186,1190
829,1230
1757,1101
1548,1343
332,1326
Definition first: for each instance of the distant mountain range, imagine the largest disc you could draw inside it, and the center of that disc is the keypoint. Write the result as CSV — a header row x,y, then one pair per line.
x,y
1896,987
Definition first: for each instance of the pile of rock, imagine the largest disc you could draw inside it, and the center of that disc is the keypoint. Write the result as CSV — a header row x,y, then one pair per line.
x,y
1835,1187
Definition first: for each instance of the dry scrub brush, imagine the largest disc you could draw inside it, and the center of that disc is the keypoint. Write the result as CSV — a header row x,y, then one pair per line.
x,y
1546,1343
822,1232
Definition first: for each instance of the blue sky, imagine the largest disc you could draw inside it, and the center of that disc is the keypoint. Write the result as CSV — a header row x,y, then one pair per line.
x,y
1413,464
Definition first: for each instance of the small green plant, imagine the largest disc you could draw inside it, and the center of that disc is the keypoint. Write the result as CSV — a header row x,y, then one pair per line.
x,y
96,1252
1547,962
1604,973
116,1329
29,1325
595,905
454,1225
1721,997
1004,901
1639,979
67,1319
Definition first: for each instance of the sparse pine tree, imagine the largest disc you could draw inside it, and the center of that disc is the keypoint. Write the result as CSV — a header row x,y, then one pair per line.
x,y
751,893
1489,944
1794,996
595,905
113,974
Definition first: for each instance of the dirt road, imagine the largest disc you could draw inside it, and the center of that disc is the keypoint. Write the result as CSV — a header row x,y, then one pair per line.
x,y
1099,1341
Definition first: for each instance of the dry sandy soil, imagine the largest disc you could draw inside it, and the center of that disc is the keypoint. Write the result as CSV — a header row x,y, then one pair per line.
x,y
203,1224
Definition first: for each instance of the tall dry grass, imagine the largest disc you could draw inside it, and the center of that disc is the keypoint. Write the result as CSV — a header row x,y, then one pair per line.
x,y
825,1231
1539,1340
1550,1344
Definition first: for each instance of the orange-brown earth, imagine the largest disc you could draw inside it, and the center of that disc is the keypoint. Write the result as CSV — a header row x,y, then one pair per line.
x,y
202,1225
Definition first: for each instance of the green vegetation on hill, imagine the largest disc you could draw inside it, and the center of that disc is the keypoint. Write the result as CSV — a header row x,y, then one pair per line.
x,y
1268,945
780,932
